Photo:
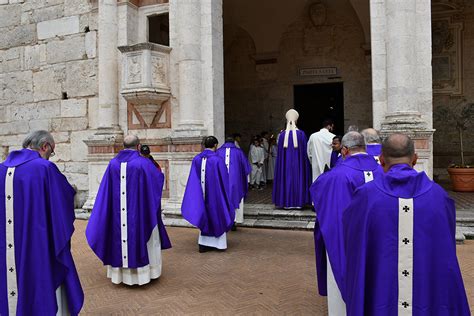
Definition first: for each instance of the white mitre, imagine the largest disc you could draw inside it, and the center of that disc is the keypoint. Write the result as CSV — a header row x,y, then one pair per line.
x,y
291,118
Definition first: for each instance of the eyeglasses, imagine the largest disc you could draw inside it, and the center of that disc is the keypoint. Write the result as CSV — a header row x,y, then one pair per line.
x,y
52,150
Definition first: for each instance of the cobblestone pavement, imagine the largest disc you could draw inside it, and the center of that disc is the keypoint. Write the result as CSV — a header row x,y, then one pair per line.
x,y
264,272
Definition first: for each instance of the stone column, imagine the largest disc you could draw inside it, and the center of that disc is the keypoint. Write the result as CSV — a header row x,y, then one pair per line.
x,y
107,141
108,65
188,23
212,39
379,61
401,52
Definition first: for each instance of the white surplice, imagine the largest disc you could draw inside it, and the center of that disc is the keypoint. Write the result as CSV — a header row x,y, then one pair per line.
x,y
256,156
319,151
142,275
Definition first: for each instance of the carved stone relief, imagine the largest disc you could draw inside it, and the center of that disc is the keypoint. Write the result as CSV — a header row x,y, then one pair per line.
x,y
159,72
134,69
317,13
447,39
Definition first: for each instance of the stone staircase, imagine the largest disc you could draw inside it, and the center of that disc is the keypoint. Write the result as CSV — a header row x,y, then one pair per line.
x,y
258,216
266,216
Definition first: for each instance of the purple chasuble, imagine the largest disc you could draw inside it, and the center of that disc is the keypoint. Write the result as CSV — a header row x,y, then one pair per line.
x,y
331,193
374,150
336,158
403,210
292,173
239,169
36,225
108,229
211,211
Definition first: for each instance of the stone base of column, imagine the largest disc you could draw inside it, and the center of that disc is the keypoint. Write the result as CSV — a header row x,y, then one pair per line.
x,y
189,131
411,124
102,147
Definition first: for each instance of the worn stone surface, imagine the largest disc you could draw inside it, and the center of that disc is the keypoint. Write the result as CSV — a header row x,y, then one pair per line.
x,y
35,111
42,14
81,78
79,149
58,27
48,83
34,56
67,49
69,124
74,108
91,44
10,15
11,59
18,36
75,7
16,88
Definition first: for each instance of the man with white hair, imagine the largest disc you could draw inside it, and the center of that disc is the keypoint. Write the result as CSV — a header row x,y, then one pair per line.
x,y
292,170
373,143
125,229
319,149
331,193
38,275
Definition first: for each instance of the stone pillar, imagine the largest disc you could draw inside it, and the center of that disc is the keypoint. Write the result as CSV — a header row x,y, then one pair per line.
x,y
401,50
108,65
379,61
107,141
188,23
212,39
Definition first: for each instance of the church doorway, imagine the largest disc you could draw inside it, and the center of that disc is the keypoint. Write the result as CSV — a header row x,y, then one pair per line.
x,y
317,102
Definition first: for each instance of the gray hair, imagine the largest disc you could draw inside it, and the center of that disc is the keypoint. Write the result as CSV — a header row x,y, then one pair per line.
x,y
371,136
353,140
36,139
131,141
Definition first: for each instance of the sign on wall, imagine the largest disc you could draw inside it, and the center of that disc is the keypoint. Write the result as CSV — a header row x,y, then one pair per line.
x,y
322,71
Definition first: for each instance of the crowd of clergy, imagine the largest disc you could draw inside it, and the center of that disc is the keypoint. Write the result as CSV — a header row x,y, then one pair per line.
x,y
384,233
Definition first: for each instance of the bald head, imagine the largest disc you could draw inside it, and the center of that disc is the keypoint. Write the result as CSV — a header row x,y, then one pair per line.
x,y
130,141
398,149
371,136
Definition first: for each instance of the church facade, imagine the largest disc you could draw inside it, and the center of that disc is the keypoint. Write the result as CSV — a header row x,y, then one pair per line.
x,y
174,71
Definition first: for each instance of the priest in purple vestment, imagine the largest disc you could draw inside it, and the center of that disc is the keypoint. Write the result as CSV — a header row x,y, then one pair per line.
x,y
400,242
331,193
373,143
125,229
207,201
239,169
36,220
292,169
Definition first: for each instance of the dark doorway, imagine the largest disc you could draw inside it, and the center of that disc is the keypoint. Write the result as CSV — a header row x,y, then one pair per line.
x,y
316,102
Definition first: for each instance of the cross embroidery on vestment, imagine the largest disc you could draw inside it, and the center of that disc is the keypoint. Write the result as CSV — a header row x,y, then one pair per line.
x,y
405,241
405,304
406,273
406,208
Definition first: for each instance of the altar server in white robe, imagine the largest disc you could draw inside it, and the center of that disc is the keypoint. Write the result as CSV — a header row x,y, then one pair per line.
x,y
319,149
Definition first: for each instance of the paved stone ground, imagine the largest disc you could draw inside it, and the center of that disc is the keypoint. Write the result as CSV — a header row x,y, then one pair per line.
x,y
264,272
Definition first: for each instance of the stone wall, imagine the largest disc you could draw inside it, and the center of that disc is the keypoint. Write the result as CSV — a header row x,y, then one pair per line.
x,y
48,79
259,85
446,138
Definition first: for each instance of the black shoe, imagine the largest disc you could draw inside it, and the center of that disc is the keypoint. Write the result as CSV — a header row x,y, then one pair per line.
x,y
234,228
205,249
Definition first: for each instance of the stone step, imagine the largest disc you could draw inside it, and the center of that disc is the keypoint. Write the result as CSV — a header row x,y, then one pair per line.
x,y
266,216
